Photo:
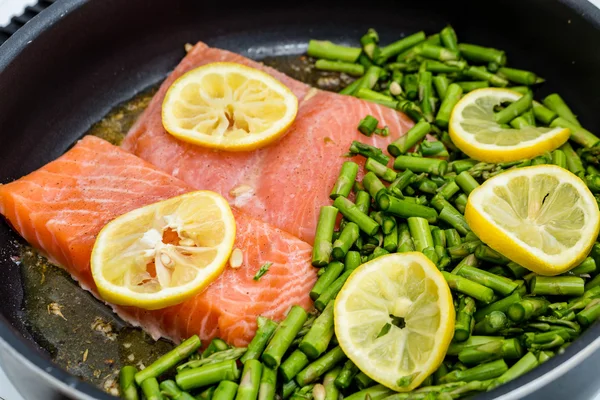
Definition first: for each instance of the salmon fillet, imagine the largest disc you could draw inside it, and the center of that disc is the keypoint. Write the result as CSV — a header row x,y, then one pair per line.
x,y
61,207
285,183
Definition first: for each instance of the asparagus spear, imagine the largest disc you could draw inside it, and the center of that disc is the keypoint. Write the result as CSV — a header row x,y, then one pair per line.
x,y
150,389
207,375
330,51
340,66
170,389
369,151
484,371
464,319
292,365
406,209
411,138
468,287
266,328
318,367
557,285
353,214
344,182
169,360
283,337
418,164
318,337
331,389
492,323
346,374
227,391
346,239
128,389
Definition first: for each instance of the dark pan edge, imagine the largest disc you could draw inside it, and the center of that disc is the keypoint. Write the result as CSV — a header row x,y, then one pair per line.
x,y
19,348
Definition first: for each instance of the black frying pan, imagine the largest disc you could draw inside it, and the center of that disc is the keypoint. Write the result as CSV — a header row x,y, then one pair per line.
x,y
71,64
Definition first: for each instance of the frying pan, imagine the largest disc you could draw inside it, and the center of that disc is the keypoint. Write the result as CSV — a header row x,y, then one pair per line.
x,y
71,64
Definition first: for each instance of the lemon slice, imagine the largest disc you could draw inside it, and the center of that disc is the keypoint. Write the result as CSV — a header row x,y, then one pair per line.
x,y
405,295
543,217
228,106
163,253
475,132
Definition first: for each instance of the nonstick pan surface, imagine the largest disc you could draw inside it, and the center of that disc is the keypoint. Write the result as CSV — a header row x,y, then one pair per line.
x,y
77,60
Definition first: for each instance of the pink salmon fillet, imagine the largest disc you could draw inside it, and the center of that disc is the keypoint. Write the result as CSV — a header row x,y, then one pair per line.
x,y
285,183
60,208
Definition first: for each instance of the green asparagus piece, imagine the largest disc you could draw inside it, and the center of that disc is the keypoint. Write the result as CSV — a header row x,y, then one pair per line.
x,y
169,360
406,209
425,94
463,250
455,219
340,66
331,389
499,284
228,389
435,52
468,287
127,386
459,166
250,382
473,341
481,74
519,76
481,54
353,214
555,103
500,305
352,87
215,346
220,356
376,97
207,375
418,164
466,182
321,365
441,84
452,238
574,163
352,261
345,376
367,126
363,201
400,46
170,389
434,149
528,362
369,151
472,85
344,182
266,328
293,364
380,170
487,254
405,242
588,266
491,324
410,139
464,319
410,86
448,37
452,96
590,313
543,114
420,233
284,336
347,238
578,134
318,337
330,51
390,241
325,226
331,291
481,372
289,388
557,285
150,389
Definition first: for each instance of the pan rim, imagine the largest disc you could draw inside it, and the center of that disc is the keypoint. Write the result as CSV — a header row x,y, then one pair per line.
x,y
18,347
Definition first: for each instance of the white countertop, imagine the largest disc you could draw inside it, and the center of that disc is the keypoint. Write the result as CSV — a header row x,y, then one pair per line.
x,y
8,8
